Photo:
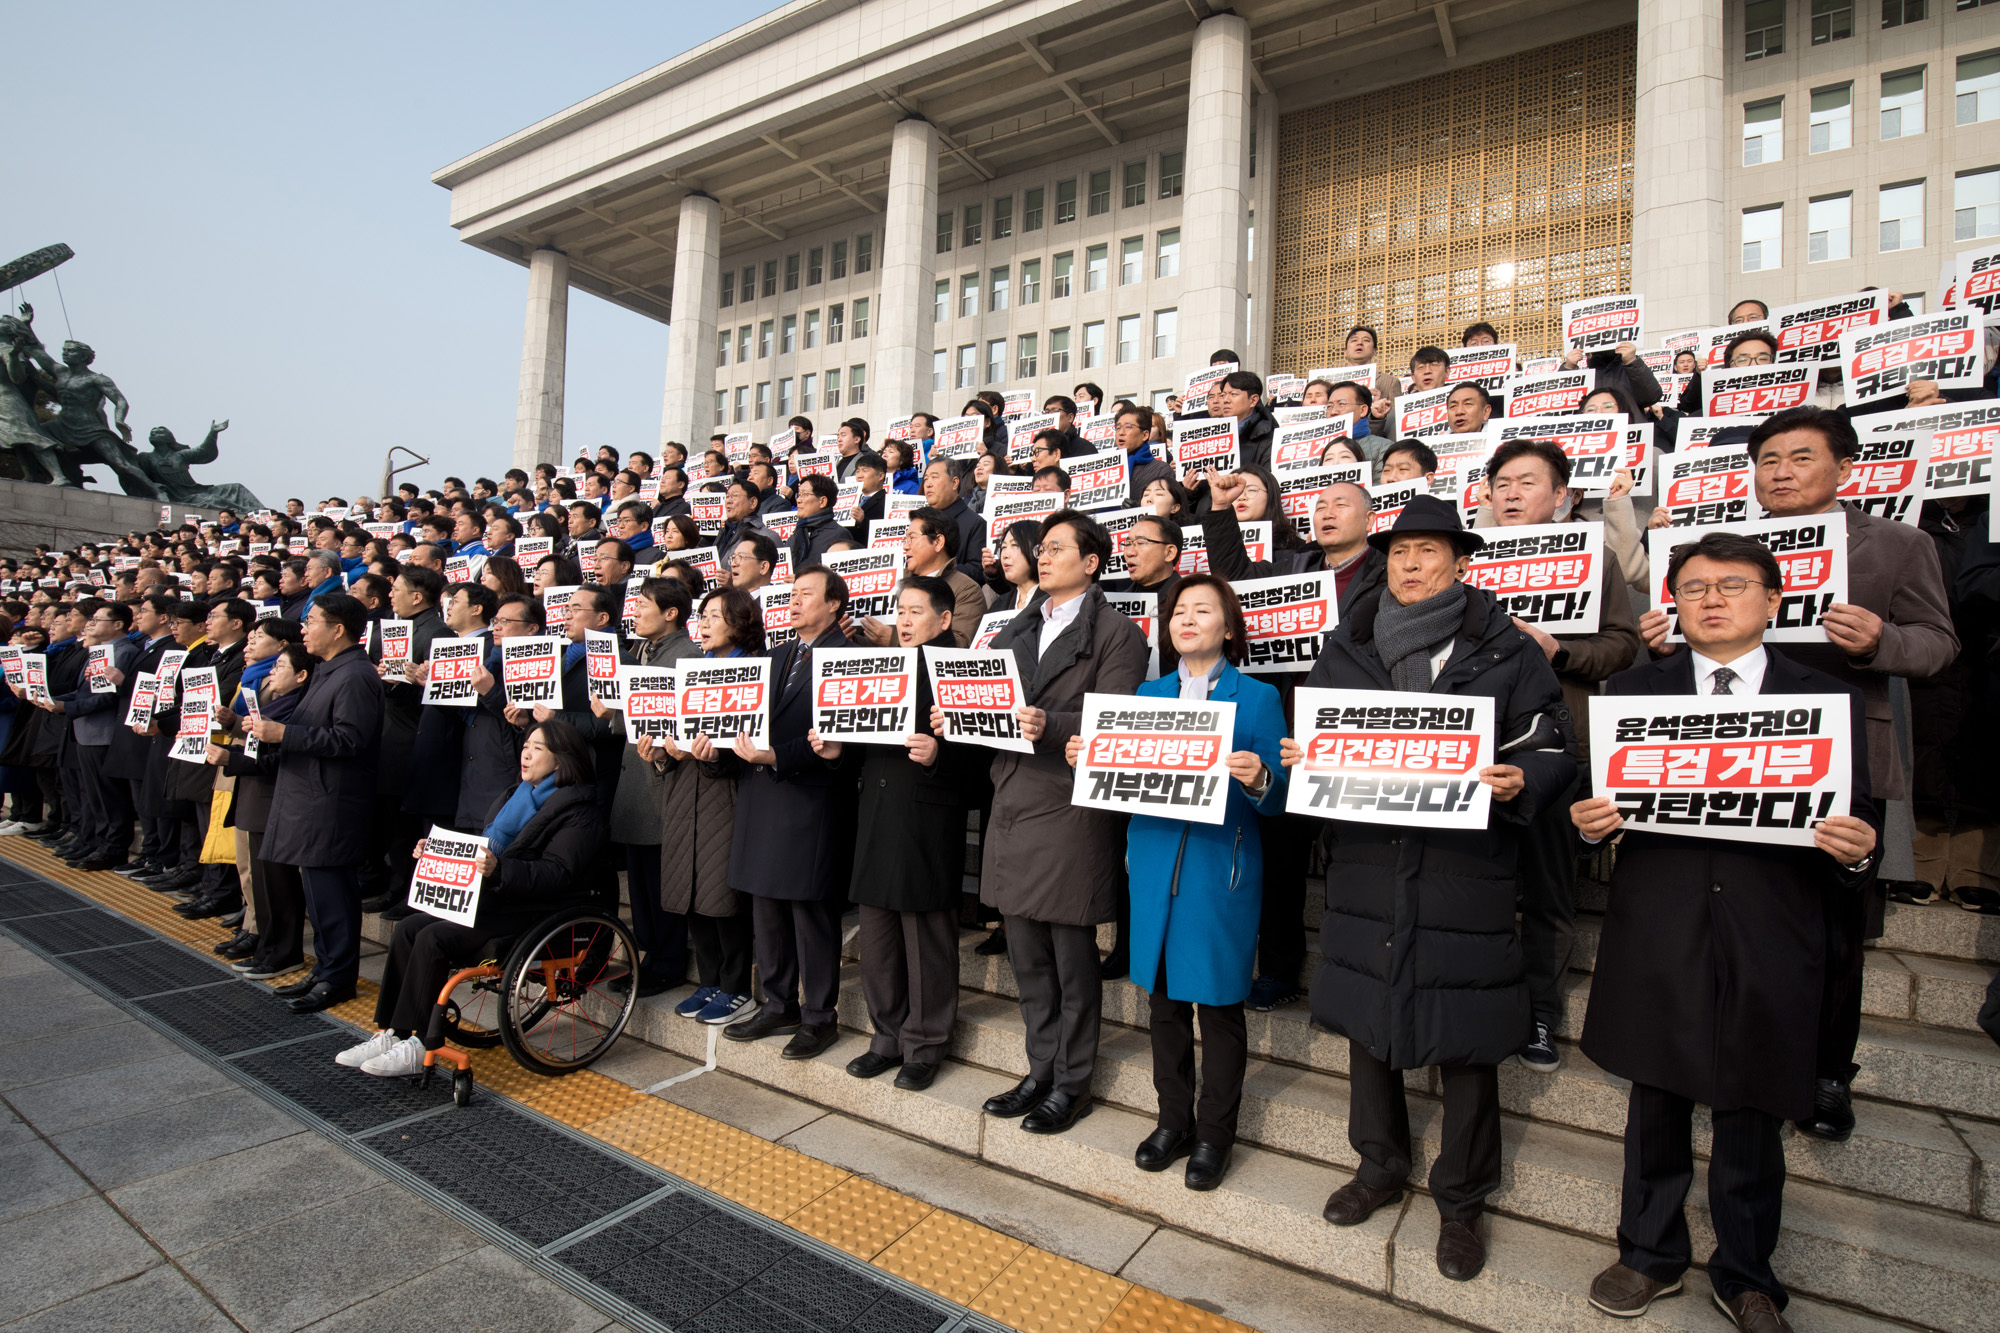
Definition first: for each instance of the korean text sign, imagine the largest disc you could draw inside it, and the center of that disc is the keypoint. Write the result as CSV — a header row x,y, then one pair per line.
x,y
1288,618
1547,574
1812,559
1155,757
978,691
865,694
1392,757
447,879
724,697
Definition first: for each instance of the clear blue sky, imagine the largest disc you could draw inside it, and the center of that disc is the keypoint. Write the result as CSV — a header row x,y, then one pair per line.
x,y
247,189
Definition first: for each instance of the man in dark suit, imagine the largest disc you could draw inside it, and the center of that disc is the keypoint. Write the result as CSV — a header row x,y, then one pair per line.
x,y
1708,974
941,480
786,856
126,760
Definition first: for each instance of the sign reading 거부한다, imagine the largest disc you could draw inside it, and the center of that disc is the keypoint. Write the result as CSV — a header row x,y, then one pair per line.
x,y
978,691
1392,757
1546,574
1603,321
531,670
1146,756
1811,552
1885,359
865,694
447,879
652,701
1757,768
1888,476
1288,619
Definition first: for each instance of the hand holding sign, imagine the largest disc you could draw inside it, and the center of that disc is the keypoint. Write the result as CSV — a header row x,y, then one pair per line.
x,y
1855,630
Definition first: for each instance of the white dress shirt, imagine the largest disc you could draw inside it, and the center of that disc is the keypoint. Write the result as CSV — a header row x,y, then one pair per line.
x,y
1056,619
1749,670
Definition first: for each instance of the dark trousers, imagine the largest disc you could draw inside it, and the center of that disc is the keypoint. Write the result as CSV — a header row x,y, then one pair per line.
x,y
1281,926
1546,883
333,902
149,828
1746,1189
1062,996
660,934
56,812
909,974
1225,1052
279,897
798,946
423,953
721,950
1846,917
1467,1169
111,802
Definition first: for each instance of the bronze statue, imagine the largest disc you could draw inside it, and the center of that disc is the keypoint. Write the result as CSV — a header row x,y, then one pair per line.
x,y
82,393
21,430
168,462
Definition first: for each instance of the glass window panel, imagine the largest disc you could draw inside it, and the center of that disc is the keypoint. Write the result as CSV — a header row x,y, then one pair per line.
x,y
1096,263
1166,323
975,223
1031,281
1169,253
1899,213
1059,274
1827,223
1902,104
1170,175
1003,217
1978,88
1024,356
1066,201
1100,192
996,288
1093,344
1763,246
1031,210
1058,351
1135,184
1764,132
1128,338
1832,125
1131,258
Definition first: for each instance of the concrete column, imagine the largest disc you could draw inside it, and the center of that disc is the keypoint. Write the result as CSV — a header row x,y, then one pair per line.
x,y
1682,239
1263,271
688,414
903,325
538,411
1215,271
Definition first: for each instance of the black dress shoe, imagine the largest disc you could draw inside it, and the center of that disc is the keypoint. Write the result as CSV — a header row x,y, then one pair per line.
x,y
234,920
97,863
1115,964
1353,1203
1833,1112
138,869
1025,1097
242,948
181,879
995,943
810,1040
767,1023
1208,1165
296,988
226,943
1162,1148
323,995
398,912
1057,1112
382,902
1460,1255
916,1077
868,1064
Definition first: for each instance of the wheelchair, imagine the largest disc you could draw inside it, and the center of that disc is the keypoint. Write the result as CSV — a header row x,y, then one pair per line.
x,y
562,997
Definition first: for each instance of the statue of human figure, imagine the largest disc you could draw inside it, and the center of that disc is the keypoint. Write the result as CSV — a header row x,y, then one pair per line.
x,y
168,463
20,429
81,428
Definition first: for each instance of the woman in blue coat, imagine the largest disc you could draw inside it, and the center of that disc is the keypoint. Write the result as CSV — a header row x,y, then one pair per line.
x,y
1197,892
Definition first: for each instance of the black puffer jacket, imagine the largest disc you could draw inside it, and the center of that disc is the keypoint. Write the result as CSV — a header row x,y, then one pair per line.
x,y
558,859
1421,962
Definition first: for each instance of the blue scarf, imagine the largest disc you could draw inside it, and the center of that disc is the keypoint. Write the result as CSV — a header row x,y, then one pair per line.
x,y
572,654
253,676
521,807
1143,454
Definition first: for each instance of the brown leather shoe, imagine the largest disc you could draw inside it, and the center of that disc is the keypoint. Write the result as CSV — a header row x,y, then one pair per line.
x,y
1352,1203
1460,1253
1625,1294
1753,1312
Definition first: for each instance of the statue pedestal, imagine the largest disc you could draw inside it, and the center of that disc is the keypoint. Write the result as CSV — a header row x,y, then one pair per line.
x,y
62,516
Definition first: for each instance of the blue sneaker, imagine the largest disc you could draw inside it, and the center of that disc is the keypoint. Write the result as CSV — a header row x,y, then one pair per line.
x,y
696,1002
1267,993
723,1009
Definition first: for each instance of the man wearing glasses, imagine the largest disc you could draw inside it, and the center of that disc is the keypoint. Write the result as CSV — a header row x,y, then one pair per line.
x,y
106,805
1708,981
930,550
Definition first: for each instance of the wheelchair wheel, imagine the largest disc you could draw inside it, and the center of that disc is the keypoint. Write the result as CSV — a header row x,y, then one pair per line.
x,y
472,1017
559,1009
461,1088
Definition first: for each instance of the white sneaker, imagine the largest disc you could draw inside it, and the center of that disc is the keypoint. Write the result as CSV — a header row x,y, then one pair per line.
x,y
403,1059
356,1056
14,828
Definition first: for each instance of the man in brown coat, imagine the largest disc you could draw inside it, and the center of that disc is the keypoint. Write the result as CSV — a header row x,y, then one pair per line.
x,y
1897,623
1054,870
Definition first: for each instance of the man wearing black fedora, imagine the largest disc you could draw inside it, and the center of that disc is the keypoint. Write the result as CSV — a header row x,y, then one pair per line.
x,y
1421,959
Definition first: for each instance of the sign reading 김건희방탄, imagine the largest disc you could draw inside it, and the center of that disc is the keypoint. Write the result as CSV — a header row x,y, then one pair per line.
x,y
447,880
1154,757
978,692
1811,551
1546,574
1392,757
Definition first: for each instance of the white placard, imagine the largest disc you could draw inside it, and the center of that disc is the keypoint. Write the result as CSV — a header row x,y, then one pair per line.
x,y
1392,757
1546,574
871,578
867,695
651,704
978,693
600,657
448,675
1888,476
1594,444
1151,756
1603,322
447,881
1811,330
1556,394
1099,481
1757,391
1708,486
1812,559
1288,619
1883,361
1204,443
723,697
1423,413
531,670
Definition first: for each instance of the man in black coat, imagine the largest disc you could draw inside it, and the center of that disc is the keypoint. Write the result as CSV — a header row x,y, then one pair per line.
x,y
325,791
818,527
490,761
1709,971
414,597
941,479
126,760
1429,632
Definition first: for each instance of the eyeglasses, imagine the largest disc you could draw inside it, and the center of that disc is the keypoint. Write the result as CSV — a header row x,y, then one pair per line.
x,y
513,621
1696,589
1145,541
1050,548
1751,359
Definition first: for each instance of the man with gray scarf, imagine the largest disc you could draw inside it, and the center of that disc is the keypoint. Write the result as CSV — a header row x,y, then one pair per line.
x,y
1421,960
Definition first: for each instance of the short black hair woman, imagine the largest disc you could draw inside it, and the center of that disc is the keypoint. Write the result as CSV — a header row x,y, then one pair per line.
x,y
542,846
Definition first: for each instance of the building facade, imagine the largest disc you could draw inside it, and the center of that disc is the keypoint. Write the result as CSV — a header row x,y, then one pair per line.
x,y
871,207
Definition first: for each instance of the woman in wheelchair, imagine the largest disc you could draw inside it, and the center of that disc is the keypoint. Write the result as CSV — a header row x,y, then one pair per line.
x,y
544,845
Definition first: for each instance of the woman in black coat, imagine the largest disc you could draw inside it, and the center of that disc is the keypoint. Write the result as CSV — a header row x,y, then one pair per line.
x,y
544,846
277,896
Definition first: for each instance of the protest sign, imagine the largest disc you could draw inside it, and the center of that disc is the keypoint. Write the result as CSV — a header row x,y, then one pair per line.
x,y
1884,360
1424,413
600,667
1282,387
888,533
1204,443
1810,330
1148,756
1759,768
959,437
528,551
781,526
1714,343
1299,490
446,881
1116,523
35,678
1594,443
1287,618
1392,757
1100,431
899,429
977,692
871,578
1541,365
1603,322
1338,375
723,697
865,694
198,687
1098,481
628,610
1194,546
1388,500
531,670
1012,485
1812,559
1019,402
145,691
774,602
895,502
1301,444
708,510
1557,393
1708,486
1638,456
396,646
1888,476
990,626
705,559
252,715
169,673
1963,436
1143,610
815,463
555,608
1021,435
1977,280
651,701
1489,366
448,678
463,568
1003,511
1293,415
1546,574
1757,391
1194,390
97,669
1701,432
736,447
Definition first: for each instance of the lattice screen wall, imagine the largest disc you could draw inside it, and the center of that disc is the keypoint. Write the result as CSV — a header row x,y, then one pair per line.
x,y
1494,192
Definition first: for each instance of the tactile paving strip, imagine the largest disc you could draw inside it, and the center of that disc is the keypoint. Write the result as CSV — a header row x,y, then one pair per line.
x,y
345,1098
950,1255
35,899
148,969
67,932
229,1019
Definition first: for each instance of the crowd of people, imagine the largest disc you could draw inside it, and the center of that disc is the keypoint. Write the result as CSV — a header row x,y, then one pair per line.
x,y
322,769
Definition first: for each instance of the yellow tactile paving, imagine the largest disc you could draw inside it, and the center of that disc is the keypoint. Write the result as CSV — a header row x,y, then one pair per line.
x,y
360,1010
860,1217
577,1099
677,1140
950,1255
1044,1293
780,1182
1144,1311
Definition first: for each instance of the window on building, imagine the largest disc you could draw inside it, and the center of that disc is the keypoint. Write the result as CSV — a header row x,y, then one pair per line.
x,y
1903,104
1250,238
815,265
748,291
1031,281
941,300
1003,217
1978,88
833,388
812,329
975,224
1131,259
1166,323
940,368
1167,253
996,288
1832,119
785,396
722,407
791,273
840,259
1975,205
857,385
1024,356
1763,28
742,404
764,338
968,295
1093,344
770,277
1763,246
1828,224
1096,263
1899,211
1128,338
968,366
1763,132
1066,201
996,360
1059,274
743,344
788,334
1832,20
728,296
1170,175
1135,184
763,399
1031,209
722,347
836,320
1898,12
944,233
1058,351
1100,192
861,318
864,252
808,385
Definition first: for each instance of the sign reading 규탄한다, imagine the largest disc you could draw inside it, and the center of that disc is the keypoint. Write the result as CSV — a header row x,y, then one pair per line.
x,y
448,678
865,694
1147,756
1392,757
